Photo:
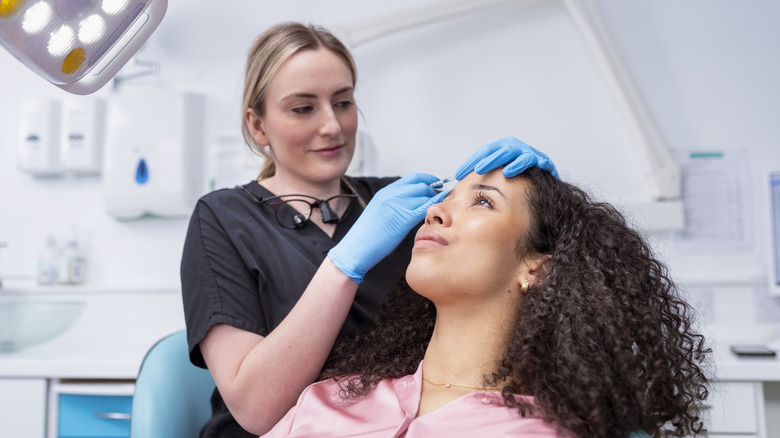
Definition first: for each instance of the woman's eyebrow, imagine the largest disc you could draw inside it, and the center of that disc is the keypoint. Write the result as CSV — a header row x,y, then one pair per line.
x,y
486,187
314,96
343,90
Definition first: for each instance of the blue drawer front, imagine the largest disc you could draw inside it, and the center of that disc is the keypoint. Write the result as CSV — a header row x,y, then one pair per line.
x,y
80,415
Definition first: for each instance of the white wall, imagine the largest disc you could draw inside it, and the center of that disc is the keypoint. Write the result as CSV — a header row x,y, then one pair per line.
x,y
706,69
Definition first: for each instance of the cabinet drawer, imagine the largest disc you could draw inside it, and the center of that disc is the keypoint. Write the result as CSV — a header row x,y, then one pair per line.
x,y
83,415
733,408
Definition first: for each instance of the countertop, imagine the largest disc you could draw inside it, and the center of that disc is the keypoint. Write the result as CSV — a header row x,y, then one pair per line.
x,y
108,341
118,327
729,366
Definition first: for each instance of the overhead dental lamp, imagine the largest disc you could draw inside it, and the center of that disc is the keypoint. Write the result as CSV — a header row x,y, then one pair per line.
x,y
77,45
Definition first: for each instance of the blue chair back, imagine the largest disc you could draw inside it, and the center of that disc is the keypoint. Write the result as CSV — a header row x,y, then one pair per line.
x,y
172,396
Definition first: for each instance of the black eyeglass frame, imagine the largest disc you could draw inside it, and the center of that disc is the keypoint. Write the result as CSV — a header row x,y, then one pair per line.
x,y
299,220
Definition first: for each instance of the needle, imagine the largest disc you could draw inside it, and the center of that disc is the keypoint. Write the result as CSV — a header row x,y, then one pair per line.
x,y
440,183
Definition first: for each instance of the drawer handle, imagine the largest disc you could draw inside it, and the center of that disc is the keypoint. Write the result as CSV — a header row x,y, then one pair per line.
x,y
113,415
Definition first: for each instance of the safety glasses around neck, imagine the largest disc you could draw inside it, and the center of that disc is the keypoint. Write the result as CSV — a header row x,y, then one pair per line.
x,y
293,211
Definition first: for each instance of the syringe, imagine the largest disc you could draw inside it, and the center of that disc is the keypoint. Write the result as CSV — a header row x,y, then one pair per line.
x,y
438,185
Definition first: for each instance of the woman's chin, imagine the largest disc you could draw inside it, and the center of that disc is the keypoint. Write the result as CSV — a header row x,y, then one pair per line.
x,y
333,170
421,278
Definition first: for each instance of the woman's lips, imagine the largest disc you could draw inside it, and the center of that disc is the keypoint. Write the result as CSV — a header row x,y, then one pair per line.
x,y
330,150
427,238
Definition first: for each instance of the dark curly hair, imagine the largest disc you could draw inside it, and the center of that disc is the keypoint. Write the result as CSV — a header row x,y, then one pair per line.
x,y
604,342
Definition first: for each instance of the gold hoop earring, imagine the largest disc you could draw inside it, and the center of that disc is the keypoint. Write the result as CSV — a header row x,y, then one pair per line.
x,y
524,287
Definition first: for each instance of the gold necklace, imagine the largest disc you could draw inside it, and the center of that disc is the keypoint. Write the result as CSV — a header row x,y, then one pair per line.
x,y
449,385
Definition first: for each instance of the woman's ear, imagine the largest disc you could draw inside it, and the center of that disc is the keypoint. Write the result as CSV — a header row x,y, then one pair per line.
x,y
255,125
535,268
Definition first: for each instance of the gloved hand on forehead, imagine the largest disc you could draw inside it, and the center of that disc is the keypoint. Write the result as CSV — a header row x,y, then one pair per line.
x,y
387,219
509,152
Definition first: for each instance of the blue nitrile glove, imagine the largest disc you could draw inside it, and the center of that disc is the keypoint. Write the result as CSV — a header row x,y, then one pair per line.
x,y
509,152
387,219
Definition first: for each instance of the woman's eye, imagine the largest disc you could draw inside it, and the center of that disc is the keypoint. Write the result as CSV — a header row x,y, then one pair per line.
x,y
344,104
482,200
302,109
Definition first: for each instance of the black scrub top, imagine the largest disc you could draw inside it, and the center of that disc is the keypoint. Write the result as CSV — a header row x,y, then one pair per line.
x,y
240,267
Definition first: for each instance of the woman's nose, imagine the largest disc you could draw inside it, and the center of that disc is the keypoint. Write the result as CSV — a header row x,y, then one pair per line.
x,y
329,125
438,214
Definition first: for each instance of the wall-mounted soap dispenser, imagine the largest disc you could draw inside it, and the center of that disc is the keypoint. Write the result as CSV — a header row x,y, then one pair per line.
x,y
38,137
82,135
154,155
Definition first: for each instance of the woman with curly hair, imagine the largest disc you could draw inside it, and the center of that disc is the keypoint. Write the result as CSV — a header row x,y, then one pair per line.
x,y
528,310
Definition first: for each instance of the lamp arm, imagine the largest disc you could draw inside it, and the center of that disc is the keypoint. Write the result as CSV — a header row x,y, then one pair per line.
x,y
359,32
661,170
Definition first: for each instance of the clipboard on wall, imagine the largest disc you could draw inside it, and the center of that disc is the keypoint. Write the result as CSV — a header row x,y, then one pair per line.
x,y
774,233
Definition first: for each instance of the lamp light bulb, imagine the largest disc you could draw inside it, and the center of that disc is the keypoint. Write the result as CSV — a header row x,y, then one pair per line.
x,y
61,40
73,61
7,7
36,17
91,29
112,7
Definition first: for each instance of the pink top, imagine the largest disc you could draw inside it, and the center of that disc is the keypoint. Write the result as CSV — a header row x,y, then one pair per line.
x,y
390,411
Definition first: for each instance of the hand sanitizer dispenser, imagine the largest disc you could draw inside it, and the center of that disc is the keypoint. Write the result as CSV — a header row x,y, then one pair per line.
x,y
153,154
38,137
82,135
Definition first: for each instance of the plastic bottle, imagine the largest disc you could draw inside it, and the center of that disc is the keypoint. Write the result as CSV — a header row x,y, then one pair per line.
x,y
73,264
47,262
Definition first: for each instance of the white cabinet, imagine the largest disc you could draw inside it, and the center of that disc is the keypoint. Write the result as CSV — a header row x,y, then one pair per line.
x,y
88,369
23,408
736,409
